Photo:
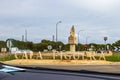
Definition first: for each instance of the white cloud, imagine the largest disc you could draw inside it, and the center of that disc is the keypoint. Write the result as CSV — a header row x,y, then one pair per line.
x,y
32,8
98,18
96,5
63,8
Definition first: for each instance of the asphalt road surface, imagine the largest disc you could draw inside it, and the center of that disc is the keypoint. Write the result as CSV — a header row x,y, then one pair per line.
x,y
98,68
46,72
54,75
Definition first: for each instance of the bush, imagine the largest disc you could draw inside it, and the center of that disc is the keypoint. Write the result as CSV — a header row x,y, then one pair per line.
x,y
114,58
7,58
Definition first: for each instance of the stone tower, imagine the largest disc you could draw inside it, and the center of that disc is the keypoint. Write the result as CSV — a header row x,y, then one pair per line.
x,y
72,39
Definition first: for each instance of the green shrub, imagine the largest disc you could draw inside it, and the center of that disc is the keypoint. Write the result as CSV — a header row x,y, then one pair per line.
x,y
7,58
113,58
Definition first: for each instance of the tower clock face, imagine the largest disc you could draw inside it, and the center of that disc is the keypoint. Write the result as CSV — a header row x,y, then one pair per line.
x,y
72,40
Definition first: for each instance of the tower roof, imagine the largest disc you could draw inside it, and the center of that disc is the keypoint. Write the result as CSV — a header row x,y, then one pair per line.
x,y
72,32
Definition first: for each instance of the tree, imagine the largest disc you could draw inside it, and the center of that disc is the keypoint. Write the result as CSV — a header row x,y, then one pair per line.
x,y
2,44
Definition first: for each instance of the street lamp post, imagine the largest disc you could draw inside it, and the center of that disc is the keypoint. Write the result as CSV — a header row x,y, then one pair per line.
x,y
78,38
87,39
87,42
57,33
25,35
105,39
57,30
78,35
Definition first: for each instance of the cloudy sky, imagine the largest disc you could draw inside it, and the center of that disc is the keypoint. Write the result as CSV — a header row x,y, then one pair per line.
x,y
98,18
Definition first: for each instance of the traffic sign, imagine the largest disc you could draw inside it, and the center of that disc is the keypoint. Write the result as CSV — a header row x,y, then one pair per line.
x,y
9,43
49,47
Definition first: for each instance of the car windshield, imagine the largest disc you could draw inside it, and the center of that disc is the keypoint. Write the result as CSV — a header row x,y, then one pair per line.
x,y
75,35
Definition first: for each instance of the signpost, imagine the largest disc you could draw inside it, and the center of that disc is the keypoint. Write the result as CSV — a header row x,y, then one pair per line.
x,y
60,48
105,39
49,47
9,44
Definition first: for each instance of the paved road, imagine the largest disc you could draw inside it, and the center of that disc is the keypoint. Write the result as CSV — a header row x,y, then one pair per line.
x,y
36,73
92,66
98,68
54,75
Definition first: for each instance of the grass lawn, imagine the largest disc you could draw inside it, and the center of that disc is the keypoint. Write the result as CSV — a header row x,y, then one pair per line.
x,y
7,58
113,58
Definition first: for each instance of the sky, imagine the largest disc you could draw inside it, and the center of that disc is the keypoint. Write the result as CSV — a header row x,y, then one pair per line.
x,y
95,19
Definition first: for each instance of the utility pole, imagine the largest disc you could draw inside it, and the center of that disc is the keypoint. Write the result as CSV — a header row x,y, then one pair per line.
x,y
78,35
78,38
57,33
53,38
22,37
25,35
57,30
